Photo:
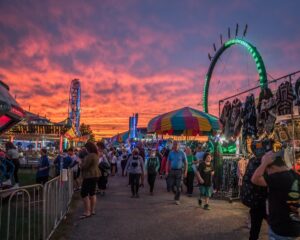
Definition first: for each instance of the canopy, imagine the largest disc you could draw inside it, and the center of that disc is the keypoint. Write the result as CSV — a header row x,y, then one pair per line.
x,y
185,121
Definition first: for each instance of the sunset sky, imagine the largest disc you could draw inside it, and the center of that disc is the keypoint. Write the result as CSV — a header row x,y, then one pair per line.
x,y
136,55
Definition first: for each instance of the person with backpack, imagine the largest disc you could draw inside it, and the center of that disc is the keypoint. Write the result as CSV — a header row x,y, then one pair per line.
x,y
152,167
283,195
254,196
104,168
135,168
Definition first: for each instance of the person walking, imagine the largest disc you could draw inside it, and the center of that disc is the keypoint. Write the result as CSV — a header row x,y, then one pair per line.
x,y
104,168
135,168
206,173
42,174
90,174
113,162
165,153
176,166
190,172
152,167
12,155
124,157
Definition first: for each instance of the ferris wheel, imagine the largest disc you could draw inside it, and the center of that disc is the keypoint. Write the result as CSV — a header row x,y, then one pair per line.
x,y
74,104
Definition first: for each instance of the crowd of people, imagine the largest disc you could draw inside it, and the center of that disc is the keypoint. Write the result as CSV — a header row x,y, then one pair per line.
x,y
268,187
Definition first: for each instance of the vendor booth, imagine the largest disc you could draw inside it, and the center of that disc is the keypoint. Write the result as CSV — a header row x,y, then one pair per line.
x,y
10,111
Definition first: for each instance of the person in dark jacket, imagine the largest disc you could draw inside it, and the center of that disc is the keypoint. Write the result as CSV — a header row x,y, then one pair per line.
x,y
42,174
152,167
283,195
254,196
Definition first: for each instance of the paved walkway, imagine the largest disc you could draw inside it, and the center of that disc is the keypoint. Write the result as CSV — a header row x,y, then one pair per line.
x,y
157,217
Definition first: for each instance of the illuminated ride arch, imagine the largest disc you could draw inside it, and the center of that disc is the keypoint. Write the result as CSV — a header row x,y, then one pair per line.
x,y
255,55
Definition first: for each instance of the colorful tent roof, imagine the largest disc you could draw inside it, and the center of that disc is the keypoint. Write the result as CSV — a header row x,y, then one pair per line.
x,y
185,121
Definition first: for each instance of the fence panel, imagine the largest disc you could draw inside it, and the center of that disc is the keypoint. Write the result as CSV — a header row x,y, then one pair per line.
x,y
21,213
34,212
58,195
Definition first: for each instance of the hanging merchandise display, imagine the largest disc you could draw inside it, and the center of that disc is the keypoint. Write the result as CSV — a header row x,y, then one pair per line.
x,y
265,94
241,170
287,132
297,91
249,117
266,116
231,119
230,176
266,109
224,119
235,121
248,143
284,99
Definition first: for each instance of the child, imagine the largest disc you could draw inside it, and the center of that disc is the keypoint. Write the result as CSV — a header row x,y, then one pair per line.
x,y
206,172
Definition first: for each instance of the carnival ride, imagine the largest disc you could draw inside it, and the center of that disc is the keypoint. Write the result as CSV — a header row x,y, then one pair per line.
x,y
74,104
251,49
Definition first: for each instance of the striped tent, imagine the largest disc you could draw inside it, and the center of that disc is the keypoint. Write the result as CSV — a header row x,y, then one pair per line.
x,y
185,121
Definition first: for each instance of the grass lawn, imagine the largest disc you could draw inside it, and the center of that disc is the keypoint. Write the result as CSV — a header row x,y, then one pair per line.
x,y
27,176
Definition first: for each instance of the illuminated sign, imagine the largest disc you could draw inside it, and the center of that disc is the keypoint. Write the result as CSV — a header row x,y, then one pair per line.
x,y
17,111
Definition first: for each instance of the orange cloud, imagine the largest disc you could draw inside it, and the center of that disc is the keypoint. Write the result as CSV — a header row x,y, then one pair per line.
x,y
127,61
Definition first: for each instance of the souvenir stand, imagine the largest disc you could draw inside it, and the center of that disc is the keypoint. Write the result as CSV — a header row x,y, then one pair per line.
x,y
273,116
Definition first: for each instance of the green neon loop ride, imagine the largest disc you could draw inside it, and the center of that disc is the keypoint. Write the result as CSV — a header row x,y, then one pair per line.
x,y
255,55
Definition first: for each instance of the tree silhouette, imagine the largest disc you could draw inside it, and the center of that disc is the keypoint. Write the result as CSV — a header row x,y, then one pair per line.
x,y
85,130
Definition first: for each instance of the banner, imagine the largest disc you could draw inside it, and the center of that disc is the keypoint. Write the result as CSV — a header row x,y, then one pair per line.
x,y
70,134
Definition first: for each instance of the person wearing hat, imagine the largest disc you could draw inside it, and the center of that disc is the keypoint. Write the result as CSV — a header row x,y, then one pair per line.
x,y
135,168
283,195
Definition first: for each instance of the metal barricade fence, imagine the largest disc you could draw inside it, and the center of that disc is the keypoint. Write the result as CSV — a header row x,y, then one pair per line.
x,y
57,197
21,212
34,212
